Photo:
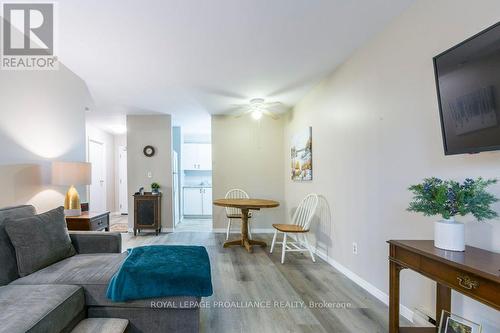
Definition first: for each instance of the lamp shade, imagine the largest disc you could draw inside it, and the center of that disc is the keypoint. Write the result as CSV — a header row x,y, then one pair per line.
x,y
71,173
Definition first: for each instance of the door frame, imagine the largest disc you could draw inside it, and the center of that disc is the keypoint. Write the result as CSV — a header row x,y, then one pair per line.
x,y
105,188
122,196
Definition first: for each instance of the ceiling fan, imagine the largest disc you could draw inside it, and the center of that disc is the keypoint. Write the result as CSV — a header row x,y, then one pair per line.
x,y
257,107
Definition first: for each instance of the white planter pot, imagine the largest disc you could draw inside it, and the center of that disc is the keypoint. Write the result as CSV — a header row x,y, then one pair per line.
x,y
449,235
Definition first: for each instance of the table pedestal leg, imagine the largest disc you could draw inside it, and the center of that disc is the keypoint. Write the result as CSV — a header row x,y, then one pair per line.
x,y
245,241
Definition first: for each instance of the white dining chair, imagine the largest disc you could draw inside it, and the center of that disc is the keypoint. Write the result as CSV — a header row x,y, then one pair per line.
x,y
301,221
235,213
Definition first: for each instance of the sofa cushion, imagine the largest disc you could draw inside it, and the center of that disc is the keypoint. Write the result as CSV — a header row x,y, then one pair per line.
x,y
39,240
40,308
93,272
8,262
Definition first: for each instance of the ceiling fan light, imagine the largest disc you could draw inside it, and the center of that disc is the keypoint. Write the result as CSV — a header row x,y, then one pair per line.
x,y
257,114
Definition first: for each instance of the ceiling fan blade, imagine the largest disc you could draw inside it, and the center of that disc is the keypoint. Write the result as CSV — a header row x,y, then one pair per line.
x,y
241,114
271,104
232,110
270,114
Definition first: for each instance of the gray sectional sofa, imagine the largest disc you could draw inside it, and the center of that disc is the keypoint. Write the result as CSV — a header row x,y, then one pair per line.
x,y
56,298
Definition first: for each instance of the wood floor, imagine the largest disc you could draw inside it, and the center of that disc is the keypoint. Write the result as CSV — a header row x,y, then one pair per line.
x,y
194,225
118,223
256,293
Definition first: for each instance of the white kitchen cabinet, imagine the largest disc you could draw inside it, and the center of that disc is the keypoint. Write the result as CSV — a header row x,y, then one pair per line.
x,y
197,201
207,201
193,201
197,156
204,156
189,156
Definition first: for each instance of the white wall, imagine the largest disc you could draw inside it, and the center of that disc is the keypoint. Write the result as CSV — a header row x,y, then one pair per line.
x,y
249,156
108,140
42,118
376,130
156,131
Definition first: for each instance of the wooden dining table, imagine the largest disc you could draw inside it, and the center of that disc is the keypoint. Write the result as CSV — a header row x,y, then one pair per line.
x,y
245,205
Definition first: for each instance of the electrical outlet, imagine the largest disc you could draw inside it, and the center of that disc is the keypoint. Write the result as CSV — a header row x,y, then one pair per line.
x,y
354,248
150,174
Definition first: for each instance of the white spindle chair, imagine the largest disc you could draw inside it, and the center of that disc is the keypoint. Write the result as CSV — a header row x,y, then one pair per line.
x,y
235,213
301,222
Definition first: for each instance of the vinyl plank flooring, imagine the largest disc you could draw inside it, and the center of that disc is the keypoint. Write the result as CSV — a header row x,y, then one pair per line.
x,y
284,292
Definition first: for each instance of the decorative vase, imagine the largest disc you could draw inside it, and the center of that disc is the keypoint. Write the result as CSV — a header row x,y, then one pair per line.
x,y
449,235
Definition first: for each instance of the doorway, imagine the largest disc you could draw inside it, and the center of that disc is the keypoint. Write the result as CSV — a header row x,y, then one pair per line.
x,y
97,195
193,169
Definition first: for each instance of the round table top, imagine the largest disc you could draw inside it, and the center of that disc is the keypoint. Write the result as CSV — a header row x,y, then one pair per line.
x,y
246,203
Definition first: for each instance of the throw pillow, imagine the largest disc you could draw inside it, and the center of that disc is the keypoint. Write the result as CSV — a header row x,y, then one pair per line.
x,y
40,240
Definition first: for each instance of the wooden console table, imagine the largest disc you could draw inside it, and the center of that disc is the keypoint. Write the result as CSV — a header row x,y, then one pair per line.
x,y
475,273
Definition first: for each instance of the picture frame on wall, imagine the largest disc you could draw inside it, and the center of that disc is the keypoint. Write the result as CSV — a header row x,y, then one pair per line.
x,y
301,155
451,323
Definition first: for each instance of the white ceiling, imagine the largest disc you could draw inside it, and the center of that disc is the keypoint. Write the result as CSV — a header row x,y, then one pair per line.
x,y
192,58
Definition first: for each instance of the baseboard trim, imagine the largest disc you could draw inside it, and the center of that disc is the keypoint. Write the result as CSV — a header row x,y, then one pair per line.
x,y
377,293
151,230
255,231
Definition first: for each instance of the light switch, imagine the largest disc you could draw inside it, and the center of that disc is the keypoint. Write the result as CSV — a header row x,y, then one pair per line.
x,y
150,174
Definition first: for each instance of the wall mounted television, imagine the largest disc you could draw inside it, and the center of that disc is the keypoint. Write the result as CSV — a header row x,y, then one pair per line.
x,y
468,89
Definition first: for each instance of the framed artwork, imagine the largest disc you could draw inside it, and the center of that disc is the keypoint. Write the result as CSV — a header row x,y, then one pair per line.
x,y
301,155
451,323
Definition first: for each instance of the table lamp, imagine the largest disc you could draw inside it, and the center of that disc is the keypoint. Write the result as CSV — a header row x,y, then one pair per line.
x,y
71,174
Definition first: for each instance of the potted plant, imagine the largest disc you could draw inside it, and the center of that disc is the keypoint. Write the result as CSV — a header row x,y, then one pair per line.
x,y
155,188
449,198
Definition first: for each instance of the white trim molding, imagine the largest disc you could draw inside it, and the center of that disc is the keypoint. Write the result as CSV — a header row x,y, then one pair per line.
x,y
163,229
377,293
254,230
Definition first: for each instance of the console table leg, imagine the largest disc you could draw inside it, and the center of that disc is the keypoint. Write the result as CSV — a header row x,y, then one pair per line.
x,y
443,300
394,270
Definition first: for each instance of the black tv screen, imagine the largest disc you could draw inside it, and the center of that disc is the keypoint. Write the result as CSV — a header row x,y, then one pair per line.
x,y
468,87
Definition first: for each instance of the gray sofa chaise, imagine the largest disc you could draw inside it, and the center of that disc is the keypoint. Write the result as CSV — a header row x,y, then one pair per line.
x,y
56,298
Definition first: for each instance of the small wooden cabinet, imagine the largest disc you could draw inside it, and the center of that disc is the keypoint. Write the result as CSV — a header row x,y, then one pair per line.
x,y
147,212
89,221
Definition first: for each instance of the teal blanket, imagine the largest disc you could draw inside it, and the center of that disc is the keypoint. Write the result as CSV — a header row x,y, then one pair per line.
x,y
162,271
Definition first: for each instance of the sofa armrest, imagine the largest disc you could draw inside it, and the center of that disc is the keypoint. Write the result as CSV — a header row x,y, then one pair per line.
x,y
96,241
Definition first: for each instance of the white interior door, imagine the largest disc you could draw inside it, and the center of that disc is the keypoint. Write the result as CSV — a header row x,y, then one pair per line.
x,y
122,180
97,200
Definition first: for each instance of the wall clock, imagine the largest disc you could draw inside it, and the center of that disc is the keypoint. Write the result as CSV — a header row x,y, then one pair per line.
x,y
149,151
